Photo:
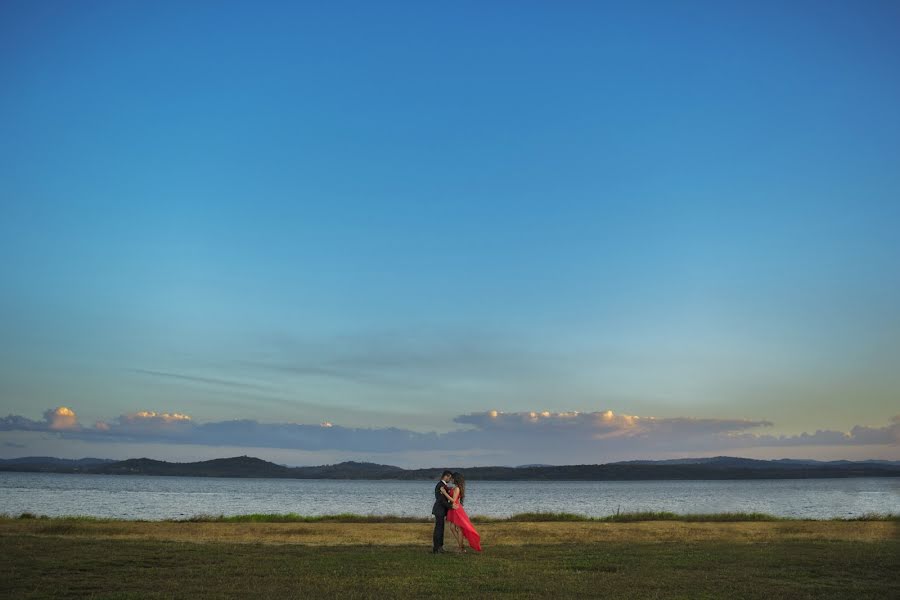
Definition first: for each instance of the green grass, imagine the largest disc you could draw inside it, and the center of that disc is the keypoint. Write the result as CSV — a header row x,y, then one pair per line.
x,y
646,516
627,517
874,517
295,518
64,567
26,516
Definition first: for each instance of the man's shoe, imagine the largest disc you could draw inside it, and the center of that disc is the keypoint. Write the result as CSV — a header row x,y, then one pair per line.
x,y
438,551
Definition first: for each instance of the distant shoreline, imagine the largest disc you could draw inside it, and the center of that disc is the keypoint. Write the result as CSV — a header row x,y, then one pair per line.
x,y
711,469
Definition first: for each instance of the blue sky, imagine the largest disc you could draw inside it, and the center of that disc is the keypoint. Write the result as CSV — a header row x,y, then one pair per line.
x,y
406,214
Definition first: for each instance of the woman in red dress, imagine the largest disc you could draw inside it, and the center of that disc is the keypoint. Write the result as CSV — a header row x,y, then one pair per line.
x,y
460,524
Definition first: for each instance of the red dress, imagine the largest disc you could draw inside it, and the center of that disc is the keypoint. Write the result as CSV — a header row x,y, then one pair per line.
x,y
458,517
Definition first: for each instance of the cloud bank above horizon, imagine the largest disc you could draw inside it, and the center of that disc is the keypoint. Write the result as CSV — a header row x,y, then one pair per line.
x,y
557,436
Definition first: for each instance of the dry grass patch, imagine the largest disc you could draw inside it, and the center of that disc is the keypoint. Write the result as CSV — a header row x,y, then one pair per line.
x,y
493,534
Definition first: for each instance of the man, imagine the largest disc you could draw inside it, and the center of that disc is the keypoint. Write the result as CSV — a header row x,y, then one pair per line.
x,y
439,510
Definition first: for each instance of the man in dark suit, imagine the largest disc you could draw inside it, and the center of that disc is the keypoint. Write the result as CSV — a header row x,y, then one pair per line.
x,y
439,510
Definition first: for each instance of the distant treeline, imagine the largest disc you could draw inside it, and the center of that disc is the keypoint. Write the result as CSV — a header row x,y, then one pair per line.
x,y
245,466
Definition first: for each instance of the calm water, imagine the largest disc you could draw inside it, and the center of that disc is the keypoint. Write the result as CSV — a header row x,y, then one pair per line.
x,y
140,497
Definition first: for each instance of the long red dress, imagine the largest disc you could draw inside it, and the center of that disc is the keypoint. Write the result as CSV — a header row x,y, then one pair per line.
x,y
458,517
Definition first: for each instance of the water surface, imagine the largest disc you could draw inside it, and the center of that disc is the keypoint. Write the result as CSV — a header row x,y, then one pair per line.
x,y
152,498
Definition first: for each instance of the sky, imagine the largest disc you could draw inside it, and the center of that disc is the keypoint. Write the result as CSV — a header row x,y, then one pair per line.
x,y
467,233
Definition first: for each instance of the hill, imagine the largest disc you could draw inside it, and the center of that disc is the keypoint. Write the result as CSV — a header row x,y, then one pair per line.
x,y
720,467
51,465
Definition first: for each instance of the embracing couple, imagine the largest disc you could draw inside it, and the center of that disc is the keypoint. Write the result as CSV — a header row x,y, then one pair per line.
x,y
449,495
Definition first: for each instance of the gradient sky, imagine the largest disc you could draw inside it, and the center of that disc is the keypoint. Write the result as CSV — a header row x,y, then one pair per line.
x,y
408,214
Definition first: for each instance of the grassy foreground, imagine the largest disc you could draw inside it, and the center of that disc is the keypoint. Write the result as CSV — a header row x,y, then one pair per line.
x,y
59,558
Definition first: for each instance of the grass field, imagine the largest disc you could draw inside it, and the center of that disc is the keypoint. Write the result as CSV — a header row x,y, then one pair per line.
x,y
60,558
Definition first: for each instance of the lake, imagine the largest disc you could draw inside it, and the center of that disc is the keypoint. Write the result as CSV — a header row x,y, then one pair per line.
x,y
153,498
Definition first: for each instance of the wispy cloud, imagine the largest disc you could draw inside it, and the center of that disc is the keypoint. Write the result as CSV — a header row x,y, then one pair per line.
x,y
406,358
332,372
199,379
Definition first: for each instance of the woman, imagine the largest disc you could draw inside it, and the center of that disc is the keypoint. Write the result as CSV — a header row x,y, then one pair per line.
x,y
459,521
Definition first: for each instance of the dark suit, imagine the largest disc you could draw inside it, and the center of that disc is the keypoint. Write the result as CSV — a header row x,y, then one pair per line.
x,y
439,510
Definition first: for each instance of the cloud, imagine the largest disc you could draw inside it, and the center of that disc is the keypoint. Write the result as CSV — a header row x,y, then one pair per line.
x,y
148,416
60,418
599,424
146,425
858,435
18,423
588,433
561,435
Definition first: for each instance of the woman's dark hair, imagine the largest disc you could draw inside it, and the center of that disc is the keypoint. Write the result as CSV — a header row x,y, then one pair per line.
x,y
460,482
